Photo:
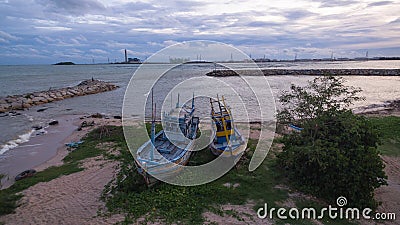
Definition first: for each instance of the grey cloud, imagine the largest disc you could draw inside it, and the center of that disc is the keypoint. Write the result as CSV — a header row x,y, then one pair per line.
x,y
396,21
333,3
261,24
298,14
381,3
186,5
75,7
131,26
133,8
6,36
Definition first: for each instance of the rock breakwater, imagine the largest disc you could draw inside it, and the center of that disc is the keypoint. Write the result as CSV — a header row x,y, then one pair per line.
x,y
86,87
311,72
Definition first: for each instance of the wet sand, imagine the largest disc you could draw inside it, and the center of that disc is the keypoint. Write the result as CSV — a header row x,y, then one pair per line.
x,y
75,198
37,150
70,199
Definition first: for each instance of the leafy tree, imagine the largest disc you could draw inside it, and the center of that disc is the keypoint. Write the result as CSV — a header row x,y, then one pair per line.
x,y
335,154
326,94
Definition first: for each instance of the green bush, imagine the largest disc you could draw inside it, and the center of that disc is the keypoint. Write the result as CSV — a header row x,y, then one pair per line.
x,y
336,152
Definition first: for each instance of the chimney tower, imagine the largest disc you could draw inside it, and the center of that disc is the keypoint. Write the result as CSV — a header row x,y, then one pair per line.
x,y
126,56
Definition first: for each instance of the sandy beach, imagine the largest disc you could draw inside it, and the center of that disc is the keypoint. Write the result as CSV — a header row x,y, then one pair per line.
x,y
39,149
75,198
70,199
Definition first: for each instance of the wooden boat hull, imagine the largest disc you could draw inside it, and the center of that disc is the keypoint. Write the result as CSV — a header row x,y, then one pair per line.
x,y
162,171
234,149
165,154
163,164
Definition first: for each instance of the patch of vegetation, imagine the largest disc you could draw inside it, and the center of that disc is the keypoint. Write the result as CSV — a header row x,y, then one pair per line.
x,y
201,157
335,154
176,204
158,127
10,196
389,128
129,195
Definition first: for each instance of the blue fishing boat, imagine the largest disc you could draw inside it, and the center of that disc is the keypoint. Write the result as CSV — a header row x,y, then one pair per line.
x,y
227,139
168,150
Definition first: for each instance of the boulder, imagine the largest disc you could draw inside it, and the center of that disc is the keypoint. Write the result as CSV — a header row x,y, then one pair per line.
x,y
28,101
37,99
16,106
42,109
9,99
54,122
97,115
37,127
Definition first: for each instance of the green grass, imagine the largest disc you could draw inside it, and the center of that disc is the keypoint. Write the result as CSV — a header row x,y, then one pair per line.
x,y
185,205
129,195
389,128
10,196
177,204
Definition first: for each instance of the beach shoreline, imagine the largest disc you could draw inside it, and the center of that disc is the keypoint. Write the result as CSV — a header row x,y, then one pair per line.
x,y
46,150
73,198
51,202
37,150
49,149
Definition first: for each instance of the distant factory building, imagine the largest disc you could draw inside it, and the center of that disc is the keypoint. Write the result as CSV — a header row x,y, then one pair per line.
x,y
133,60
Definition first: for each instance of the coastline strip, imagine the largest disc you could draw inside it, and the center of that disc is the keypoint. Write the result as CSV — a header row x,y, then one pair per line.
x,y
86,87
310,72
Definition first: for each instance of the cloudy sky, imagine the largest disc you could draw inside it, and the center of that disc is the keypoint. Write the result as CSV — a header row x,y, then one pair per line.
x,y
48,31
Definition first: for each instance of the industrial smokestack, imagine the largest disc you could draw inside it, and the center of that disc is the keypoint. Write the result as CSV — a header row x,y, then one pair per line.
x,y
126,56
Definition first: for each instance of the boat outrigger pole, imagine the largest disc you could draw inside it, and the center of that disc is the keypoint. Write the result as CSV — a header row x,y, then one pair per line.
x,y
193,101
153,127
223,118
231,121
192,109
177,104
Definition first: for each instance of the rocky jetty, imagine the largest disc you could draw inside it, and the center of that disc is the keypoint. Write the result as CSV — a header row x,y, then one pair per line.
x,y
311,72
87,87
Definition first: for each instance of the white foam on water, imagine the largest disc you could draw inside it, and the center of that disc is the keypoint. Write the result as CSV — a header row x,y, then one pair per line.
x,y
14,143
34,145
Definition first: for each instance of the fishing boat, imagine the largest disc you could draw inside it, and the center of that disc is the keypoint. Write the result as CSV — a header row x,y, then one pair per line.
x,y
227,139
170,149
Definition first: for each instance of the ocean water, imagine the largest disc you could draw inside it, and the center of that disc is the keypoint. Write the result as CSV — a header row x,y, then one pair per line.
x,y
16,129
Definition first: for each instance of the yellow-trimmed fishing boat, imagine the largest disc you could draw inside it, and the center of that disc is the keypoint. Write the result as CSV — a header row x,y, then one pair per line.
x,y
227,139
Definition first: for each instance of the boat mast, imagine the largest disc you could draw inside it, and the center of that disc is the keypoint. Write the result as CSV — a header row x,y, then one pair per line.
x,y
223,119
177,104
219,105
153,127
192,110
171,101
193,101
212,107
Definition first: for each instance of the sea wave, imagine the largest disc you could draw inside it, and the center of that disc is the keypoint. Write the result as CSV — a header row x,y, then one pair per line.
x,y
14,143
